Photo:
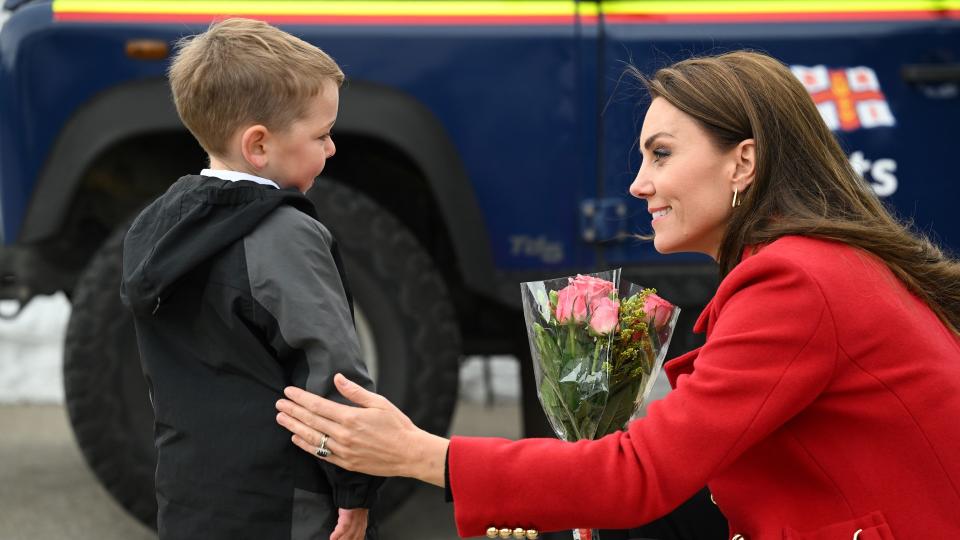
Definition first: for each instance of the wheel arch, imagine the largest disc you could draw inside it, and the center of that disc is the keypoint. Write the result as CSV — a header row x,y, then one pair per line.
x,y
368,112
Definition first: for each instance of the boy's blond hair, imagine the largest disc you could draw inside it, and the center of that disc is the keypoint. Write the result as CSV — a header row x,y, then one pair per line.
x,y
243,72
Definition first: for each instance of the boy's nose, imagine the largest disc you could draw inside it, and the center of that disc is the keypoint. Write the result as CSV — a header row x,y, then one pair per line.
x,y
332,150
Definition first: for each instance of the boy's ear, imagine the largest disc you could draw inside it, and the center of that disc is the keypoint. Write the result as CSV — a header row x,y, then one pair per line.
x,y
253,145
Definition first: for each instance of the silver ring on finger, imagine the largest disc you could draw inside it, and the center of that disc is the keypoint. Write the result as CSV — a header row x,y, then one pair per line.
x,y
322,450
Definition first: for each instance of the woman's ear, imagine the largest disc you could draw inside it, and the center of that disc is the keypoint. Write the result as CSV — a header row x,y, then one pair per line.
x,y
253,146
745,155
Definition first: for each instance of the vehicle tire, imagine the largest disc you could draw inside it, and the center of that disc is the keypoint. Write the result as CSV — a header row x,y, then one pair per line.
x,y
104,389
405,319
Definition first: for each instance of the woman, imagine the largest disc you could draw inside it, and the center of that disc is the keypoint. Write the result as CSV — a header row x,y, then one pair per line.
x,y
824,403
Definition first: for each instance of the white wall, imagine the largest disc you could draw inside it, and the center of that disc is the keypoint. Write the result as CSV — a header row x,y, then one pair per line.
x,y
31,350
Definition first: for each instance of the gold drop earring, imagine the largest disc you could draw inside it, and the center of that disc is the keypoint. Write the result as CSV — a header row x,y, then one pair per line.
x,y
736,202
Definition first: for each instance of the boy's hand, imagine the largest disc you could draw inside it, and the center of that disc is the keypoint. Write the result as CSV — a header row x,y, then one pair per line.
x,y
351,525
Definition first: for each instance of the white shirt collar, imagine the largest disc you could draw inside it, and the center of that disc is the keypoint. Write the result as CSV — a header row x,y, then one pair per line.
x,y
234,176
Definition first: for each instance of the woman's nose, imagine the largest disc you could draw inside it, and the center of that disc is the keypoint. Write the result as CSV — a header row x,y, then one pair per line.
x,y
641,188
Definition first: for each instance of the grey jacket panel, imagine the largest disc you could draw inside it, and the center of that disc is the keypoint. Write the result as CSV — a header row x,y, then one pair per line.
x,y
293,276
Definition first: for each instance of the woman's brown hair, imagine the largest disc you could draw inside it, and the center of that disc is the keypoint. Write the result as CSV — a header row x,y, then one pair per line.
x,y
804,183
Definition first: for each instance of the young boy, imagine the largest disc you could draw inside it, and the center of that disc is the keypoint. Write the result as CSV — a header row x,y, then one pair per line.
x,y
237,292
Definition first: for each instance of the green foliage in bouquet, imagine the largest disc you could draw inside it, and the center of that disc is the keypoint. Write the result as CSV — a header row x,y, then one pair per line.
x,y
591,380
572,384
631,362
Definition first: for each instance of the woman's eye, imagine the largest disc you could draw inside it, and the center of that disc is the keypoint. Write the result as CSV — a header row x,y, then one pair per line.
x,y
659,154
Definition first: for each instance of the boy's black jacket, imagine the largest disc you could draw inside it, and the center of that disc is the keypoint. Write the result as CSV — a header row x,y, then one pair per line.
x,y
237,291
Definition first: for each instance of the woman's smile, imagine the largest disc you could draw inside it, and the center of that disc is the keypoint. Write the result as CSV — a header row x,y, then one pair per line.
x,y
659,213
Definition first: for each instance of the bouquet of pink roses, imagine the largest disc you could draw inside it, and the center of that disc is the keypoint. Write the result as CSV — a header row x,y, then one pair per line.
x,y
597,348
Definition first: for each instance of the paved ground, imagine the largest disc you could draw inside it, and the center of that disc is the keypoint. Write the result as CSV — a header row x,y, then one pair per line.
x,y
47,492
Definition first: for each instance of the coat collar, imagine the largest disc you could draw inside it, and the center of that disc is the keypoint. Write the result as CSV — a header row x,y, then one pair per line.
x,y
683,364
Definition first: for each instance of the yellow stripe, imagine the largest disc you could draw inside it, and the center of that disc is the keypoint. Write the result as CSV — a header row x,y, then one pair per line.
x,y
766,6
588,9
495,7
307,7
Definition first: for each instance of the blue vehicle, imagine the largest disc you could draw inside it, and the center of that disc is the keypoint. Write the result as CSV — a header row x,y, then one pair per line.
x,y
481,143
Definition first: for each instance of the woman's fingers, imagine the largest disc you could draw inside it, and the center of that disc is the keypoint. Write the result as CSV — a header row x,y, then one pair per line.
x,y
316,404
309,440
358,394
306,419
304,445
309,434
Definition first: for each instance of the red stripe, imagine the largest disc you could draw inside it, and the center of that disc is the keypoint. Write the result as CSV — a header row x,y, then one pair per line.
x,y
701,18
375,20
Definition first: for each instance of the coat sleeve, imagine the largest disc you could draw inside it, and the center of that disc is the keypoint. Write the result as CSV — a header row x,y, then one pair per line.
x,y
294,277
770,351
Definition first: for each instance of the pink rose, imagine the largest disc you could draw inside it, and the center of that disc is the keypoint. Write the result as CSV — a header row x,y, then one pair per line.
x,y
579,309
606,315
658,310
570,304
583,292
592,289
565,299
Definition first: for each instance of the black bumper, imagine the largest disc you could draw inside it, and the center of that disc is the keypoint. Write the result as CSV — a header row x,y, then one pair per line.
x,y
29,270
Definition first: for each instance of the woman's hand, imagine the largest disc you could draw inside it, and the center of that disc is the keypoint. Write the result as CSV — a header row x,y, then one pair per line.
x,y
374,438
351,524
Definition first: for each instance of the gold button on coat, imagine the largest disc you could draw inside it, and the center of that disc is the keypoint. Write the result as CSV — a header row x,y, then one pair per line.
x,y
532,534
519,533
492,532
505,533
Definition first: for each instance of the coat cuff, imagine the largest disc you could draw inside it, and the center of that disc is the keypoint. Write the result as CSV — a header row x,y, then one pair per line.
x,y
350,489
478,500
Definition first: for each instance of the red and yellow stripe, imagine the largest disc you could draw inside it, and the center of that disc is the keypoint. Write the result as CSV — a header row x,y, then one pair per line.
x,y
504,12
761,11
330,12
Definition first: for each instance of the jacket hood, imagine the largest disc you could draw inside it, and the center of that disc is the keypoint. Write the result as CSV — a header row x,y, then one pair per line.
x,y
194,220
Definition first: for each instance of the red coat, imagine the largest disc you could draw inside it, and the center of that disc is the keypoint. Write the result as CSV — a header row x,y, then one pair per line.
x,y
826,400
